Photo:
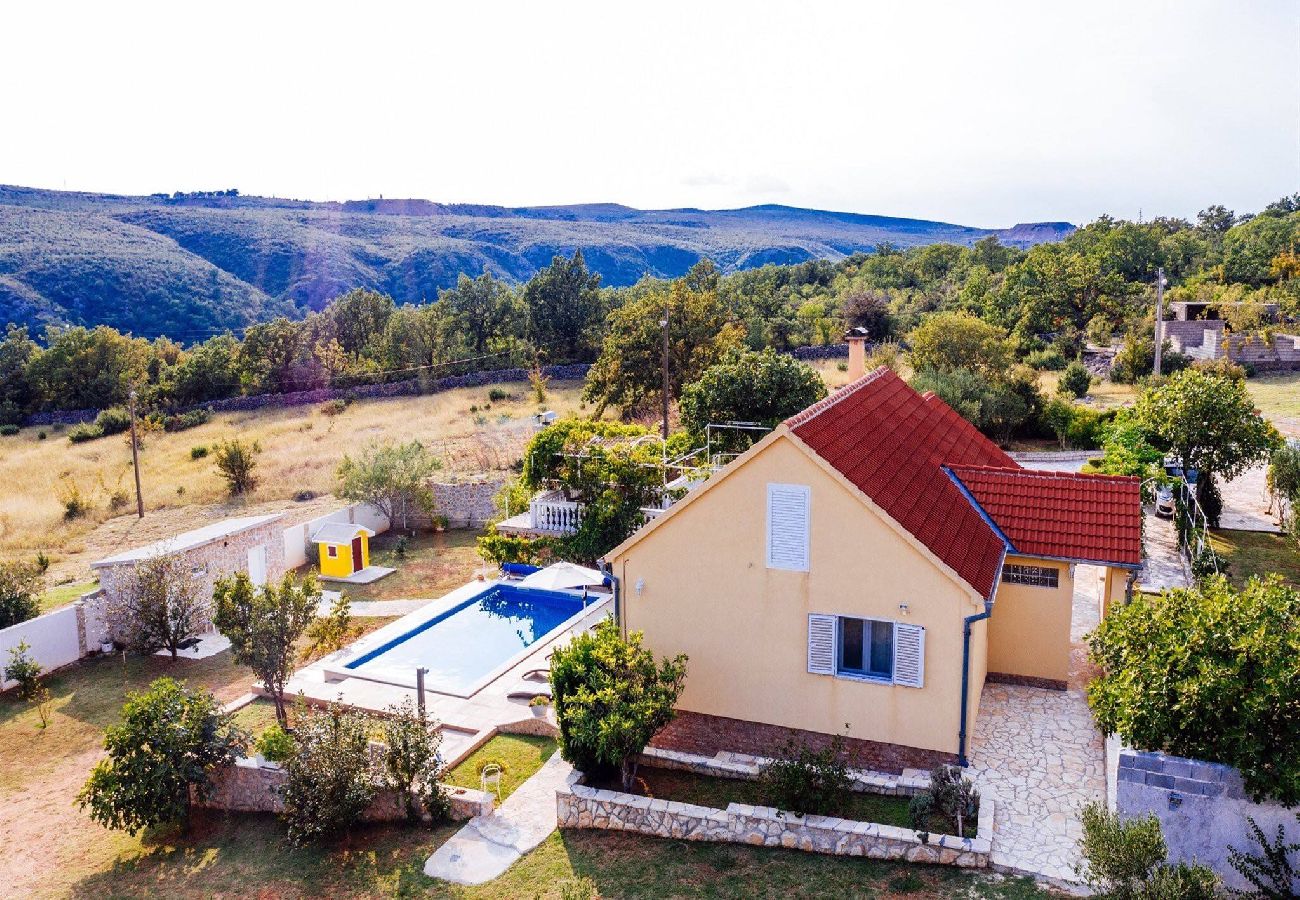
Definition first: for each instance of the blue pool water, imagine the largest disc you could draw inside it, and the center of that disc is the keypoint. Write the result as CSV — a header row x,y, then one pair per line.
x,y
465,643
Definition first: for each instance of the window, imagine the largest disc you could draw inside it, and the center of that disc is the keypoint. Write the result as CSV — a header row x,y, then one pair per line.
x,y
787,526
874,649
332,551
866,647
1034,576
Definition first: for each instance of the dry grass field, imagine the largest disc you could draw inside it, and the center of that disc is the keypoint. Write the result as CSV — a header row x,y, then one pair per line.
x,y
301,448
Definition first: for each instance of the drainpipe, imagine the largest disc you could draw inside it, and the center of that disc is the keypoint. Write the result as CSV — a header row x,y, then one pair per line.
x,y
608,571
965,676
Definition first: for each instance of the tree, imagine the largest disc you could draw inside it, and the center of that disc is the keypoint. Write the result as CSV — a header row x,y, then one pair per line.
x,y
562,309
158,604
207,371
1075,380
868,309
390,477
264,624
994,407
483,308
766,388
948,341
26,671
85,368
611,698
236,459
630,369
20,588
1207,672
412,764
358,318
1208,423
17,394
330,782
1124,859
164,751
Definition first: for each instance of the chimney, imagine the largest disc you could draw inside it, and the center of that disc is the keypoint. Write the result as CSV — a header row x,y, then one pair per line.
x,y
857,339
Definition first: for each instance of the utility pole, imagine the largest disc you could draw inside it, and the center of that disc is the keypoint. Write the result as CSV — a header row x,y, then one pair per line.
x,y
135,462
1160,317
663,323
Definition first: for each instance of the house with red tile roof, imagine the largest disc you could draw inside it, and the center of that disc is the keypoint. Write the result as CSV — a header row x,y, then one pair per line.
x,y
863,571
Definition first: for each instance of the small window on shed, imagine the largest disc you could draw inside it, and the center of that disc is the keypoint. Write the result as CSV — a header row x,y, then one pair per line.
x,y
787,526
1033,576
332,551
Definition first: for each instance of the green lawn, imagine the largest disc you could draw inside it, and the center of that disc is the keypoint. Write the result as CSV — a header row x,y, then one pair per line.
x,y
1276,395
705,790
64,594
519,755
435,564
1257,553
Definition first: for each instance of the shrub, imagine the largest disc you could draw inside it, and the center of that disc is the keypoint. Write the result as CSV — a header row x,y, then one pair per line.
x,y
951,797
1271,873
192,419
303,496
803,780
86,431
509,548
275,744
199,451
333,407
1050,360
611,697
540,700
1207,672
42,561
329,781
117,500
75,503
497,395
401,546
41,435
20,585
1075,380
10,430
328,633
537,382
163,752
391,477
841,367
24,670
158,605
236,459
113,420
1223,367
1125,859
412,765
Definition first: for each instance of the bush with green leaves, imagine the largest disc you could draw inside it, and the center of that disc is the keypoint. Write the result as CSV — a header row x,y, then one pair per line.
x,y
1075,380
9,430
510,548
113,420
1270,871
1124,859
745,386
392,477
1049,359
951,798
330,782
158,604
275,744
86,431
806,780
412,763
20,589
236,461
187,420
26,671
1207,672
611,698
164,751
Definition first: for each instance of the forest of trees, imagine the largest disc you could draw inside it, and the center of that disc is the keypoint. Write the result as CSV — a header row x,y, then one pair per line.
x,y
1045,302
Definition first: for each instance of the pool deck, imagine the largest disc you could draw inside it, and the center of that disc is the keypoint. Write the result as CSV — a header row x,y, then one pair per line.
x,y
467,722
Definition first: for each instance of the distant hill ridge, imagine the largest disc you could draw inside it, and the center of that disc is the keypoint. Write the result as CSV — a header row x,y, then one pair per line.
x,y
188,265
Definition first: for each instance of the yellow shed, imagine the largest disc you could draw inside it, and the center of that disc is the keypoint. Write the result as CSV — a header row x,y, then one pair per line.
x,y
344,548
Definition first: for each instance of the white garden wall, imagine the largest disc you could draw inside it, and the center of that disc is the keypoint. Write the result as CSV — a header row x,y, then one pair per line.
x,y
54,640
298,548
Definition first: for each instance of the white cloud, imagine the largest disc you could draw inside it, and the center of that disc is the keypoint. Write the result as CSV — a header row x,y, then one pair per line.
x,y
984,114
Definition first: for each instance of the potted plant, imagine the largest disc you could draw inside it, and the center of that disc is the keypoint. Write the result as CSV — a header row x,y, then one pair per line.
x,y
274,746
538,705
106,644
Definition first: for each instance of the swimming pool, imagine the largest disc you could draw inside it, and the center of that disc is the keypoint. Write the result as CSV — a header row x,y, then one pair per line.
x,y
466,640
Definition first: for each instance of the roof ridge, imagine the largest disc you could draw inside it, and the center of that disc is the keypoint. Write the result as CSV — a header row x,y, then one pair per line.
x,y
1046,473
830,400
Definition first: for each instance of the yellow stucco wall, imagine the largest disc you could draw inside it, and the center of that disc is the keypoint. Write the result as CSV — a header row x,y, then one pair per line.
x,y
1029,632
340,566
706,591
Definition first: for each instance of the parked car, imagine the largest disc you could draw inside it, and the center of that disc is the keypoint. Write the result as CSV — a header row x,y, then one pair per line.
x,y
1175,470
1165,501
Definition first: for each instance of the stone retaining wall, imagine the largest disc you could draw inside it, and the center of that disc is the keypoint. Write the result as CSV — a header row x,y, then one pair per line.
x,y
250,786
466,504
581,806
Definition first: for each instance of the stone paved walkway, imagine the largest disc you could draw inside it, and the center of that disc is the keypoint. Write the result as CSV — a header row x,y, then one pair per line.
x,y
488,845
1038,753
1163,565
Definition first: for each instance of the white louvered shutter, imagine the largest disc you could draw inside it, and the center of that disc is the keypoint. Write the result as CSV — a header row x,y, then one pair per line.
x,y
909,655
821,644
787,526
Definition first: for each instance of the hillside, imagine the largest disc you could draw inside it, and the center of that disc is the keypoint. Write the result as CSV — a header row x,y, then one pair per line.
x,y
192,265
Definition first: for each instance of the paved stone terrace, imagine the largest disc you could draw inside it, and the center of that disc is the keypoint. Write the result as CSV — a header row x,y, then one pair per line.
x,y
1040,755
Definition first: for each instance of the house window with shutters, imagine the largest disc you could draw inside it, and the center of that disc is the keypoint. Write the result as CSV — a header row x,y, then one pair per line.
x,y
787,526
866,649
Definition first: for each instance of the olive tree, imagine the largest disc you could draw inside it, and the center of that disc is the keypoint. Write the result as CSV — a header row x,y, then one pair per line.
x,y
390,477
330,782
264,624
611,697
158,604
765,388
161,754
412,764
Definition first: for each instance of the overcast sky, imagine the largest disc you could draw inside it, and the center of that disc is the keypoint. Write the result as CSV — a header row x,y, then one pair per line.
x,y
980,113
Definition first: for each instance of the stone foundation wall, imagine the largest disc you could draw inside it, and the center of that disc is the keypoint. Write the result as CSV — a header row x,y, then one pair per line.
x,y
249,786
468,504
1050,684
706,735
748,768
580,806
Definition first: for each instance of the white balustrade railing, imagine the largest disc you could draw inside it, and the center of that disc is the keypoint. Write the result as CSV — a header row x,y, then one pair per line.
x,y
551,512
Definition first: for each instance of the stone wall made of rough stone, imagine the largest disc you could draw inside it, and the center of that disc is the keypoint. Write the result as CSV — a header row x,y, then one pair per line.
x,y
581,806
1202,807
466,504
250,786
211,561
706,735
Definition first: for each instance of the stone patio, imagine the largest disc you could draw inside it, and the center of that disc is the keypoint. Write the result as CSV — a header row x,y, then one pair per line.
x,y
1040,755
